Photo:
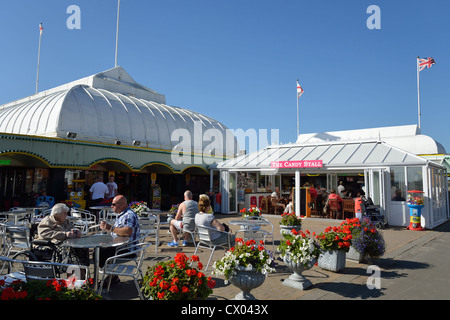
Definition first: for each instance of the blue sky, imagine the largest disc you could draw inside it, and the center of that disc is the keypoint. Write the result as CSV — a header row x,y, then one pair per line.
x,y
237,61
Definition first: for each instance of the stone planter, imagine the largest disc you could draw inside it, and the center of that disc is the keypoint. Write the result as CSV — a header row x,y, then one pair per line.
x,y
246,281
297,280
332,260
354,255
287,229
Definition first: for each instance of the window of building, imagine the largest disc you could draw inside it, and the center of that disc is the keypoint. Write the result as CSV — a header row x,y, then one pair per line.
x,y
398,184
415,179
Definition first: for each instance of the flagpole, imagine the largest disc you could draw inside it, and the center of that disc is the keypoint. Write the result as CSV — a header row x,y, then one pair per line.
x,y
39,56
117,31
298,121
418,93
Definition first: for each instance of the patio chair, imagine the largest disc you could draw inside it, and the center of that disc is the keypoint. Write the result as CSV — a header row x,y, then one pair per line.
x,y
149,227
17,239
127,264
334,208
87,222
40,215
348,206
258,233
44,271
204,235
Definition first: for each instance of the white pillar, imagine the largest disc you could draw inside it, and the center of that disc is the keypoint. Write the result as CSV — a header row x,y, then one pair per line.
x,y
297,193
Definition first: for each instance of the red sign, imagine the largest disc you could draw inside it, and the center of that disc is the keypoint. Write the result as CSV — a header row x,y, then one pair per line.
x,y
297,164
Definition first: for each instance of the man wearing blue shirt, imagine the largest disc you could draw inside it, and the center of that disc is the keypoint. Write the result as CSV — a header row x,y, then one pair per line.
x,y
127,222
126,225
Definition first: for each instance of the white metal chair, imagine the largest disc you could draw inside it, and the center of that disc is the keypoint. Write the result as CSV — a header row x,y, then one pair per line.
x,y
16,239
43,271
149,226
205,241
262,233
125,264
36,216
110,215
87,222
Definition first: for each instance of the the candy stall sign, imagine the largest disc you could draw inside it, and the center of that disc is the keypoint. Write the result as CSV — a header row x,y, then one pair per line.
x,y
297,164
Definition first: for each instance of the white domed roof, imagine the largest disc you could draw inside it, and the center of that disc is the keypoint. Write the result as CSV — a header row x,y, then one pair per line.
x,y
101,115
407,138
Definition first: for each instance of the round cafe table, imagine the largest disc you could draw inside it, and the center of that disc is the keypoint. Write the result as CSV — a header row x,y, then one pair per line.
x,y
96,241
248,224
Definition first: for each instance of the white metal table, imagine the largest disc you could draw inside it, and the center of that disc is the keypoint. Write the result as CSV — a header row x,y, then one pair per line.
x,y
96,241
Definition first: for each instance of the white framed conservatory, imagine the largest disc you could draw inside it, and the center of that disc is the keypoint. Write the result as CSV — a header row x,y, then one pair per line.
x,y
385,172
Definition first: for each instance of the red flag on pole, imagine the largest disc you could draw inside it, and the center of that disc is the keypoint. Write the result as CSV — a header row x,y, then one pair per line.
x,y
299,90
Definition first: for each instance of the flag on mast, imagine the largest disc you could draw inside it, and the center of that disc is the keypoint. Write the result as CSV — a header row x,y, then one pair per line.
x,y
40,28
299,93
421,65
299,90
425,63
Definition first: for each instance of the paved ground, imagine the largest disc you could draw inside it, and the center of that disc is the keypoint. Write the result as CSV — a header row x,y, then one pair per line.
x,y
415,266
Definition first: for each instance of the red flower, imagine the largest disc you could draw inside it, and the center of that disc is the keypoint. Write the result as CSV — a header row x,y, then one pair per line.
x,y
161,295
174,289
163,285
191,272
211,283
185,289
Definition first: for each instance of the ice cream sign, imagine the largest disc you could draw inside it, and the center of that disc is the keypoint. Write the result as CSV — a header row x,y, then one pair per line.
x,y
297,164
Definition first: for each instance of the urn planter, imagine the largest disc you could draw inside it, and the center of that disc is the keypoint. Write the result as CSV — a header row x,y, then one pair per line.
x,y
246,281
297,280
287,229
354,255
332,260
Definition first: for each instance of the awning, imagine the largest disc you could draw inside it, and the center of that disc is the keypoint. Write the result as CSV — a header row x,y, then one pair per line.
x,y
351,154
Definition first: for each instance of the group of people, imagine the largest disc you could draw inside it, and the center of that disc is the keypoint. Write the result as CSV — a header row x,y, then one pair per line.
x,y
56,228
321,198
189,214
100,191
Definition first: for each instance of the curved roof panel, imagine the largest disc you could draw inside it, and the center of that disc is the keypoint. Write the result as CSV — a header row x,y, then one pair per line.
x,y
101,115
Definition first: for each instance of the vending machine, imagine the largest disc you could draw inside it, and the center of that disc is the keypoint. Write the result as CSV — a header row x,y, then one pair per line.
x,y
415,203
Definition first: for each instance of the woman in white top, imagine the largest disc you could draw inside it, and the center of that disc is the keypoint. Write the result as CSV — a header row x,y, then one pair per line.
x,y
205,219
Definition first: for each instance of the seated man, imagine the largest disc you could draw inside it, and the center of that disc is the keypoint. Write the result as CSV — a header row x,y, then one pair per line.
x,y
184,220
126,225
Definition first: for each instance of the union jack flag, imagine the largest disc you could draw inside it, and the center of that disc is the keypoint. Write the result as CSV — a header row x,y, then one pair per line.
x,y
426,63
299,90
